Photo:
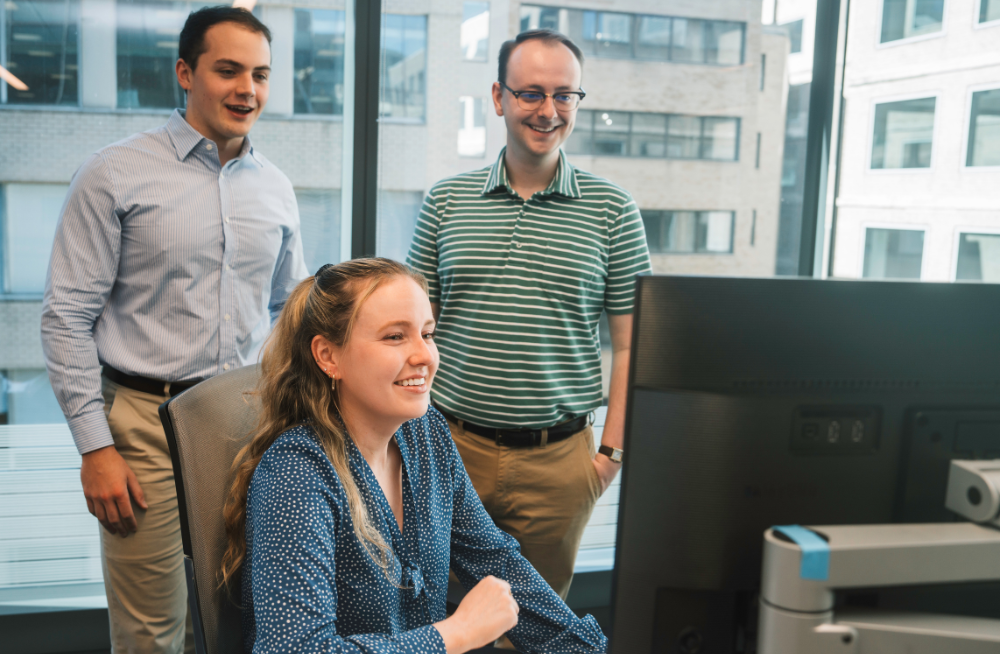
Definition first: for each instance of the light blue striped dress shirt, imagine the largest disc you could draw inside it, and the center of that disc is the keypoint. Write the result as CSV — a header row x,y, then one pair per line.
x,y
166,264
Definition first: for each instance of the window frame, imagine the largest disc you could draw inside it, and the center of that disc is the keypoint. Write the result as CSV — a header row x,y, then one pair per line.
x,y
935,135
865,225
967,128
879,45
956,242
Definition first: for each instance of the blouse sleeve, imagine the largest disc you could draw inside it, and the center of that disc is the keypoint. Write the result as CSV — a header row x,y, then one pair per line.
x,y
479,548
292,566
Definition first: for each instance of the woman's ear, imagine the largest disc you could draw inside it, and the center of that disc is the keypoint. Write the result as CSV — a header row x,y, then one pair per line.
x,y
326,355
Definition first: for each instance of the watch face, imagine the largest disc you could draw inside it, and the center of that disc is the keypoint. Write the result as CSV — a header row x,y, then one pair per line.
x,y
616,455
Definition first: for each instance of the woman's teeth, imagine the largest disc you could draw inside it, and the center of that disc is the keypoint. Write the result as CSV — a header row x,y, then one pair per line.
x,y
412,382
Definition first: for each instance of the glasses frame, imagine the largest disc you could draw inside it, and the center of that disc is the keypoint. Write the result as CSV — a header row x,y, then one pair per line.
x,y
517,96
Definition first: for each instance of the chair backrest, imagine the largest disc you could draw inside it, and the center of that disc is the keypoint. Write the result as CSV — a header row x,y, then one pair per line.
x,y
206,426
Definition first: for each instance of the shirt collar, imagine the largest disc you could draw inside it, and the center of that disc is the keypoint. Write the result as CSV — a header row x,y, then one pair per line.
x,y
564,183
186,138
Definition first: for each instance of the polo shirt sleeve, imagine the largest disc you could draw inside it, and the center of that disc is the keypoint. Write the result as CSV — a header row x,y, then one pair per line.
x,y
423,256
628,256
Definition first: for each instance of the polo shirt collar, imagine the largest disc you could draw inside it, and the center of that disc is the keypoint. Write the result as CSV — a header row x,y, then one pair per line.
x,y
564,183
186,138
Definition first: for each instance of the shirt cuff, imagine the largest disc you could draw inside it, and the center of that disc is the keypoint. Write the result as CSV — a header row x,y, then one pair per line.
x,y
423,640
90,431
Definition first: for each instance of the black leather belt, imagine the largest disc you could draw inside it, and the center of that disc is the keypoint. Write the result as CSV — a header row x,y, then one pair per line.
x,y
146,384
521,437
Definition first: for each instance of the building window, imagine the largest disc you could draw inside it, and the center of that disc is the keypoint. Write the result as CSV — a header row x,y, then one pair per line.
x,y
41,48
984,129
794,30
893,253
319,219
636,36
904,19
978,258
659,136
903,134
989,10
319,61
472,127
689,232
475,32
28,214
404,65
147,34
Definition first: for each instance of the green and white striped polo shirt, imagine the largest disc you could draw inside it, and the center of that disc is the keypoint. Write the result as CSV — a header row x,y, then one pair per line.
x,y
521,286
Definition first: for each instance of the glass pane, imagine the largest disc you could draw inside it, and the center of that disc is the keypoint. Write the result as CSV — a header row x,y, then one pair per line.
x,y
723,42
721,139
42,50
649,135
404,66
978,258
653,40
903,134
902,19
472,127
794,30
319,61
989,10
688,42
684,137
475,32
319,215
893,253
581,141
611,129
147,34
984,129
29,215
715,231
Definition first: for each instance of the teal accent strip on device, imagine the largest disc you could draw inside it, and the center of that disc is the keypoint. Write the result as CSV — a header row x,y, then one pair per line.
x,y
815,551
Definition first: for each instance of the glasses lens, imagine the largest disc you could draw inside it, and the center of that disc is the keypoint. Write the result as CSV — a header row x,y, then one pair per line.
x,y
530,100
567,100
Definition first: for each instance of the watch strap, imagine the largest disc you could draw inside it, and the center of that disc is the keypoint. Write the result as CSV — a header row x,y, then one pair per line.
x,y
610,452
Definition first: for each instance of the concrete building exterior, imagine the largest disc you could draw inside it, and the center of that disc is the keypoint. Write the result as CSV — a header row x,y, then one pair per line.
x,y
701,86
920,162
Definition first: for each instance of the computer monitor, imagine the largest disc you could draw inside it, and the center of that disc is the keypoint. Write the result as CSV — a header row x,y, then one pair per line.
x,y
760,402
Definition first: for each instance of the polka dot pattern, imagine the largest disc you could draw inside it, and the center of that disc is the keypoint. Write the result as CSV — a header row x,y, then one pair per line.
x,y
310,586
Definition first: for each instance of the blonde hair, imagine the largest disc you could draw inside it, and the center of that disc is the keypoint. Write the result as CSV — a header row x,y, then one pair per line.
x,y
293,390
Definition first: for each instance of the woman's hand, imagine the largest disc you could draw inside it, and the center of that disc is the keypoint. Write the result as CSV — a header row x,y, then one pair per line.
x,y
487,612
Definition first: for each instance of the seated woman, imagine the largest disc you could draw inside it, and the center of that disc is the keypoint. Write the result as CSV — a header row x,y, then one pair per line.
x,y
350,503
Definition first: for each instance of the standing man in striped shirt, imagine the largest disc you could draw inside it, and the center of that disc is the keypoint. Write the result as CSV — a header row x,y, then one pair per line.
x,y
521,258
176,249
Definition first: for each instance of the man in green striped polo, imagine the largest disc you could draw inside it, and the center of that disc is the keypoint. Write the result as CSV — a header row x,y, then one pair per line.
x,y
521,258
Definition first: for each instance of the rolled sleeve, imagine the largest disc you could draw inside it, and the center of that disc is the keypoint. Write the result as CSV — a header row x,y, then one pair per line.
x,y
628,256
82,272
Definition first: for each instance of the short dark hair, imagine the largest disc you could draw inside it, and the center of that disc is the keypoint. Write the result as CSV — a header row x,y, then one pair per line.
x,y
548,36
192,41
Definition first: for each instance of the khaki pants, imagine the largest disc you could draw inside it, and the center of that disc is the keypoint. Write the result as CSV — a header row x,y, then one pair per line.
x,y
144,573
542,496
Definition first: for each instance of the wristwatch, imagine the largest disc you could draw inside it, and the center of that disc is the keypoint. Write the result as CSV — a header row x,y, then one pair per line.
x,y
612,453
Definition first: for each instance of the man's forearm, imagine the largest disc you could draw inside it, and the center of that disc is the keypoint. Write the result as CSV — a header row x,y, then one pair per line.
x,y
614,424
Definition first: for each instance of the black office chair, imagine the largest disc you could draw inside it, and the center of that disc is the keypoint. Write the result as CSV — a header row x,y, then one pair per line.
x,y
206,426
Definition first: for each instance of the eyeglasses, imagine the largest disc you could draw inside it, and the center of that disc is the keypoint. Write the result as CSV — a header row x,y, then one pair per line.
x,y
531,100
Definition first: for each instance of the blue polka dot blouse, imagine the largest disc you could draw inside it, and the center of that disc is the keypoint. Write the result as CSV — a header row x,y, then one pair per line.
x,y
309,586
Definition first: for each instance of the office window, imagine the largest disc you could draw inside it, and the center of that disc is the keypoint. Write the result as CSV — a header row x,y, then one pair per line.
x,y
319,61
984,129
404,66
689,232
397,218
620,133
989,10
903,134
893,253
903,19
978,258
794,30
146,50
472,127
640,36
28,214
319,219
475,33
41,48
